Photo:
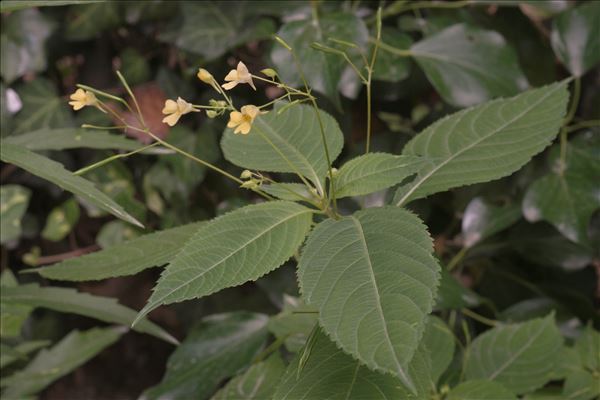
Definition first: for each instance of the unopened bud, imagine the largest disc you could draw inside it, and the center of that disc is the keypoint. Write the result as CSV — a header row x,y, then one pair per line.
x,y
250,184
205,76
246,174
270,72
211,113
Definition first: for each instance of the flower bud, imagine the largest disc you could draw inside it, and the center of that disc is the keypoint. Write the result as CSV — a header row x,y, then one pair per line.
x,y
246,174
211,113
270,72
205,76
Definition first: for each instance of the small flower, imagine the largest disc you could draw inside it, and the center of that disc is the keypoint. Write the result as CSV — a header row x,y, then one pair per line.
x,y
82,98
238,75
205,76
242,121
175,109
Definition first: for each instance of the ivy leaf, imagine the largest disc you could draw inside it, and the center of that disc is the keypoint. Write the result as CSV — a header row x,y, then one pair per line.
x,y
332,374
521,357
215,349
128,258
240,246
323,71
574,38
72,351
374,171
71,138
568,198
296,134
258,382
373,279
480,390
468,66
14,200
485,142
54,172
482,220
70,301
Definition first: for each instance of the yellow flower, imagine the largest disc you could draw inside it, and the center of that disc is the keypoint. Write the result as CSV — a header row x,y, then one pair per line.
x,y
242,121
205,76
175,109
238,75
82,98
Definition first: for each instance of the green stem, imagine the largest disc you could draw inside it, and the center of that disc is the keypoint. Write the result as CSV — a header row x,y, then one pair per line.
x,y
564,131
583,124
370,69
88,126
113,158
479,318
400,7
392,49
457,259
135,102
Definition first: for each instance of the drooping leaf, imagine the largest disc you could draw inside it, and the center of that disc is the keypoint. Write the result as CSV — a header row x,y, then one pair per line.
x,y
574,38
87,21
73,350
521,357
296,134
70,301
20,351
468,66
373,279
61,220
128,258
439,340
332,374
482,220
14,200
71,138
23,40
12,316
258,382
57,174
485,142
374,171
568,196
42,108
215,349
323,71
390,67
240,246
480,390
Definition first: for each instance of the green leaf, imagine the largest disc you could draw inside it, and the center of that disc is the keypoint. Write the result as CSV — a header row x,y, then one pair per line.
x,y
288,191
574,38
581,385
374,171
480,390
14,200
61,221
14,5
12,316
23,40
522,357
390,67
485,142
439,341
215,349
294,324
373,278
211,28
453,295
483,219
468,66
71,138
297,136
20,351
240,246
588,347
568,196
70,301
258,382
72,351
87,21
134,66
42,108
323,71
332,374
129,258
54,172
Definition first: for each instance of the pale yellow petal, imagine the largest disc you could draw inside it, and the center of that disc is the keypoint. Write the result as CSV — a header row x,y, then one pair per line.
x,y
170,107
236,116
90,99
230,85
77,105
171,119
251,111
251,83
79,95
183,106
242,70
244,128
232,76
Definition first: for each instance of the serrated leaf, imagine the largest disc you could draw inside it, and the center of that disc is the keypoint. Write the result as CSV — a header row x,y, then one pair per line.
x,y
374,171
439,341
574,38
72,351
57,174
215,349
480,390
485,142
482,220
14,200
128,258
258,382
71,138
240,246
373,278
20,351
70,301
287,191
296,134
468,65
332,374
522,357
